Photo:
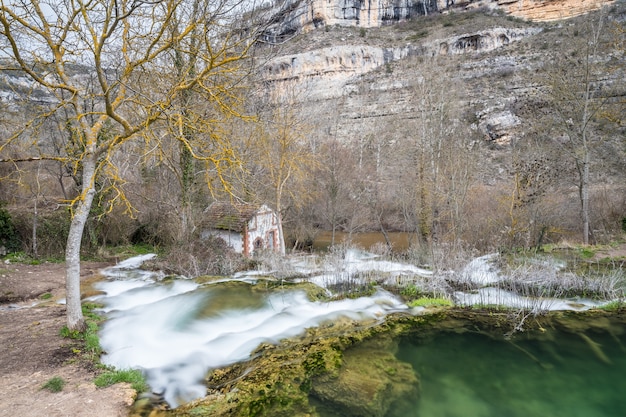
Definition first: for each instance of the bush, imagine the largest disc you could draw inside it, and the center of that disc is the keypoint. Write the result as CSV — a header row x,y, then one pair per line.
x,y
52,230
9,238
197,257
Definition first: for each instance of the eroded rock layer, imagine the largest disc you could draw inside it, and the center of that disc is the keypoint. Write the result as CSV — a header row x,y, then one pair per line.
x,y
293,16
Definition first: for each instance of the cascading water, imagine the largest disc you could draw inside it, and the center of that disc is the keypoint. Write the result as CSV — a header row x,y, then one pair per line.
x,y
176,331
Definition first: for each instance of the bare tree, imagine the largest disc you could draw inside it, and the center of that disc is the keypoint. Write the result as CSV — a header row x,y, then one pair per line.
x,y
284,158
578,93
129,46
438,158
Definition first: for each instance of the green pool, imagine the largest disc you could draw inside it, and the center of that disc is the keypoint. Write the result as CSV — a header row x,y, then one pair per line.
x,y
552,373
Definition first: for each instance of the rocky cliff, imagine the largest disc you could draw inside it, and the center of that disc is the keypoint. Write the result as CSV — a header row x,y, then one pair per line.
x,y
550,10
326,72
289,17
357,82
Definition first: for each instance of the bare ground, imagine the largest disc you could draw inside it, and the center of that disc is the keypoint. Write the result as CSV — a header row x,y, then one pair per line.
x,y
32,351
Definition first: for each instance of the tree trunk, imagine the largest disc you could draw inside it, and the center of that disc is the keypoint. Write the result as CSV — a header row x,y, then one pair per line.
x,y
75,320
35,214
384,232
584,197
186,167
279,218
281,236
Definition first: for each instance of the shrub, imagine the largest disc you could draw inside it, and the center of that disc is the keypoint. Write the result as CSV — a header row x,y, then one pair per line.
x,y
197,257
52,230
410,291
9,238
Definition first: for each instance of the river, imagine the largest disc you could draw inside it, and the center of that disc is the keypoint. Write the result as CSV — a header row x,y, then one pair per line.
x,y
175,330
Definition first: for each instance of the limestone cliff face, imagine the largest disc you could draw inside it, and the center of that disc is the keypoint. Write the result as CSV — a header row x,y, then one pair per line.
x,y
292,16
295,15
353,84
326,72
357,83
549,10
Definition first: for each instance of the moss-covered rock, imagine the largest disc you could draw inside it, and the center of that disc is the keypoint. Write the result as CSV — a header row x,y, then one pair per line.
x,y
369,381
295,377
349,368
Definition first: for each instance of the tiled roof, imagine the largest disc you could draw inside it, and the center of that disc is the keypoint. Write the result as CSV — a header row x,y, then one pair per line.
x,y
225,215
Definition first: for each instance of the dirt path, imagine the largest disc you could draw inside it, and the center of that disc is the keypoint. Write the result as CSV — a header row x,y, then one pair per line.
x,y
32,352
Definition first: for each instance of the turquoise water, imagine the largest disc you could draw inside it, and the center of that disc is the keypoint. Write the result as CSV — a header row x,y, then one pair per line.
x,y
561,374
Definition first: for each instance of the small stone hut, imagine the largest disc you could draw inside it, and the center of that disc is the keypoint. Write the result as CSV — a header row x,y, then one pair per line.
x,y
244,227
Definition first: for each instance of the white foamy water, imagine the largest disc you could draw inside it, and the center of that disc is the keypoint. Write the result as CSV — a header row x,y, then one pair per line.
x,y
355,267
176,331
481,271
492,296
359,261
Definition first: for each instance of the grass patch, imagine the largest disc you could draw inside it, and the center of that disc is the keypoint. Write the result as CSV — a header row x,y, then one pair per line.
x,y
45,296
54,384
70,334
613,306
26,259
91,350
420,34
114,376
431,302
91,341
88,312
128,251
410,291
587,252
22,258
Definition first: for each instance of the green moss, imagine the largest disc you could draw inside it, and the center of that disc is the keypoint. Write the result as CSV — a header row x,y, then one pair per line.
x,y
205,279
430,302
200,411
613,306
369,381
289,379
228,222
351,367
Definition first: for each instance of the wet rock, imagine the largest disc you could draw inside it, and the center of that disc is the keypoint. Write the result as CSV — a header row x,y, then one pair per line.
x,y
370,380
